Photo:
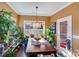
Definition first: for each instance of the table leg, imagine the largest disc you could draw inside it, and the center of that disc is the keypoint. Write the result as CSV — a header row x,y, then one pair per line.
x,y
55,54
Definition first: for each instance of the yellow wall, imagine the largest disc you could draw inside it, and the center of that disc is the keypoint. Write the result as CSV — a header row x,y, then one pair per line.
x,y
75,44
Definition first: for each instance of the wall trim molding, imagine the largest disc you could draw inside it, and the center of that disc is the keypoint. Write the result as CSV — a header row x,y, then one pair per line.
x,y
75,36
12,7
62,8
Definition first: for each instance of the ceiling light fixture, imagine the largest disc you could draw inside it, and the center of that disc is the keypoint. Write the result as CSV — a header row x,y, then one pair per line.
x,y
36,11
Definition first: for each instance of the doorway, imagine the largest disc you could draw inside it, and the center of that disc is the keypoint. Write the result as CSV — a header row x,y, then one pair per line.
x,y
64,33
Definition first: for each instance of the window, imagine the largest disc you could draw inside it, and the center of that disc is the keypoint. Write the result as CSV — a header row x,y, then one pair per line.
x,y
34,27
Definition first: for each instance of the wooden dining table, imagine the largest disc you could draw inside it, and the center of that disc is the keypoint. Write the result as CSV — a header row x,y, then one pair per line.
x,y
45,49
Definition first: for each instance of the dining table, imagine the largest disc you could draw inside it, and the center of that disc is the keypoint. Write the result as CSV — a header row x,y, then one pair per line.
x,y
43,48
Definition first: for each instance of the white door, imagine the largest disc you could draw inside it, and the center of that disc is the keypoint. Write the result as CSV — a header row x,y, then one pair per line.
x,y
64,33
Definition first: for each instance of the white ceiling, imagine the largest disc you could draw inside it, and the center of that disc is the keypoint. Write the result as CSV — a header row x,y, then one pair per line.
x,y
45,8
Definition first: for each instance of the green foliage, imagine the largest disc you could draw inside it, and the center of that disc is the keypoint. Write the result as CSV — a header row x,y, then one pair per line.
x,y
49,31
6,24
50,36
10,53
20,32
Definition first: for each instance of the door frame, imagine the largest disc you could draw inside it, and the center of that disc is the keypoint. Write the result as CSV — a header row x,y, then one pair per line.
x,y
69,28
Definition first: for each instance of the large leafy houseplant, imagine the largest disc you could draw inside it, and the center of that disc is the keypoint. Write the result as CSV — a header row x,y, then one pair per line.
x,y
6,25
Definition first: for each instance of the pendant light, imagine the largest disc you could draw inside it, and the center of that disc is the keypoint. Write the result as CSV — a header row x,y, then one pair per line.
x,y
36,12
